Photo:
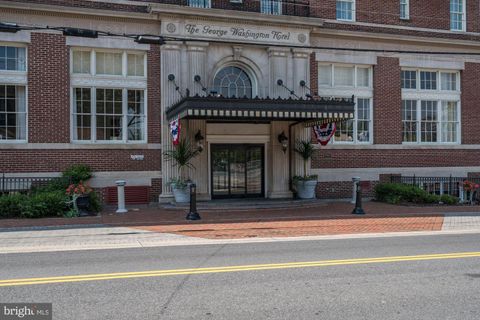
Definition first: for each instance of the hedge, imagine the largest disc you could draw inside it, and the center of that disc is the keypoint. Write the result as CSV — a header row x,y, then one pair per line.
x,y
395,193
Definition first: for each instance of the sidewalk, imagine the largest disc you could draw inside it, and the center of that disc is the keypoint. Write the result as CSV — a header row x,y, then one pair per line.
x,y
151,227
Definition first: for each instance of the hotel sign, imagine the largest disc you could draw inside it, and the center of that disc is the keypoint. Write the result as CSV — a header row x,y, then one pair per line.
x,y
193,30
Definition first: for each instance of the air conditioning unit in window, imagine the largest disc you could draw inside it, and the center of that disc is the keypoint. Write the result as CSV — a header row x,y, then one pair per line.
x,y
236,1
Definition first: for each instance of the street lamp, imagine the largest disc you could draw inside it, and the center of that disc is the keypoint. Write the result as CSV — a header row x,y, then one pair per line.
x,y
283,140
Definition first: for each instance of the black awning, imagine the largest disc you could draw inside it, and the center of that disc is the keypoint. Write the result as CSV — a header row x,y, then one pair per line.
x,y
221,108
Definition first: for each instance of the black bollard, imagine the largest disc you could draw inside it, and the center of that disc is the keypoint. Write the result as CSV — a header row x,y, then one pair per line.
x,y
358,201
193,214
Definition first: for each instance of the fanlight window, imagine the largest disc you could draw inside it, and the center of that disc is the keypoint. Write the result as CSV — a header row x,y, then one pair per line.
x,y
233,82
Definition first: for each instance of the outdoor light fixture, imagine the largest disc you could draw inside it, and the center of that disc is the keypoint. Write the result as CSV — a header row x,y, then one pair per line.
x,y
8,27
198,79
199,139
282,138
280,83
76,32
171,77
150,40
303,84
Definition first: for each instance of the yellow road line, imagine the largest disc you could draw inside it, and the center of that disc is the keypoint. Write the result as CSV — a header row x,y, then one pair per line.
x,y
256,267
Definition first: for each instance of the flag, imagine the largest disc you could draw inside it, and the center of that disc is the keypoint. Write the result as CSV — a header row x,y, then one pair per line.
x,y
324,132
175,131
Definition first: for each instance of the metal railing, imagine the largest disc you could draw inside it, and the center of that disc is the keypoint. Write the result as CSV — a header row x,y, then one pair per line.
x,y
438,185
299,8
9,185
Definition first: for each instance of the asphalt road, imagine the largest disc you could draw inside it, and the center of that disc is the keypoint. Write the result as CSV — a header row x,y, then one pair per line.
x,y
413,288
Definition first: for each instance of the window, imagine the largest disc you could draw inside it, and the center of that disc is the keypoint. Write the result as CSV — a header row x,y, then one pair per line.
x,y
409,79
404,9
428,80
199,3
448,81
271,7
12,113
337,80
108,63
136,65
12,58
106,114
409,120
430,112
457,15
81,62
233,82
346,10
344,76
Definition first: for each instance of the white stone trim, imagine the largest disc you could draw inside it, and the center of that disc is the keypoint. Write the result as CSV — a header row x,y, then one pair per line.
x,y
107,82
350,57
19,145
107,43
373,174
405,146
19,37
13,77
238,138
427,62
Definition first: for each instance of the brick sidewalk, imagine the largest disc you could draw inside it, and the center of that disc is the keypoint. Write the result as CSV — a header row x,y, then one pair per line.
x,y
326,218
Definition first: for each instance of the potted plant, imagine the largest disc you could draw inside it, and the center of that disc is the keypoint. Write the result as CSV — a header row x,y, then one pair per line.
x,y
305,185
80,195
181,156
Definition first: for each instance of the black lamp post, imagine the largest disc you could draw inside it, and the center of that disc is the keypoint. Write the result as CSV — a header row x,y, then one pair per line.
x,y
358,201
193,214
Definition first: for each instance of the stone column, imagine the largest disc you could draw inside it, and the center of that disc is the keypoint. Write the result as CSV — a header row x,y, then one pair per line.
x,y
301,71
170,60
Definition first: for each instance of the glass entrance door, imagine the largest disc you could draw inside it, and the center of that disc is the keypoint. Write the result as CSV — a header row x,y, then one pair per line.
x,y
237,171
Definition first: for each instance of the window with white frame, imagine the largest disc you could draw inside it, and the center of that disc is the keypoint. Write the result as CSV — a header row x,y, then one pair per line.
x,y
404,9
271,7
108,109
344,81
199,3
12,113
346,10
430,106
12,58
457,15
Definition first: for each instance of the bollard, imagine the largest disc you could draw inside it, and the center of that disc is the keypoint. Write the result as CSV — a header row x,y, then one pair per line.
x,y
358,203
121,196
355,181
193,214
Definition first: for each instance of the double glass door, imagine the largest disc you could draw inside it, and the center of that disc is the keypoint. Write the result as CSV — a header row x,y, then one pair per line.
x,y
237,171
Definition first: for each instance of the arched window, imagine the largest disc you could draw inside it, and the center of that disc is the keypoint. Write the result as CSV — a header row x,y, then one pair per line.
x,y
233,81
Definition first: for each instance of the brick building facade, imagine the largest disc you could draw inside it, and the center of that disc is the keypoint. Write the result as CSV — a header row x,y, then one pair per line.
x,y
413,68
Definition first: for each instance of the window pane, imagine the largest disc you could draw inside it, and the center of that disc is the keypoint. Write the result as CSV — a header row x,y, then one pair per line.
x,y
409,79
456,15
449,121
81,62
344,76
82,114
233,82
409,120
109,63
199,3
109,114
363,77
429,121
12,112
325,75
12,58
428,80
363,123
271,7
135,64
344,131
345,10
449,81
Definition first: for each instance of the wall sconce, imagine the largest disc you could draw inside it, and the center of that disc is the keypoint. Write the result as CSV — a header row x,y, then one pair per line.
x,y
282,138
281,84
198,80
199,140
171,77
303,84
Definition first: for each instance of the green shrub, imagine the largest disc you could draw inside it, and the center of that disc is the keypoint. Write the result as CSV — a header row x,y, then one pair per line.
x,y
10,205
448,199
95,203
395,193
77,173
44,204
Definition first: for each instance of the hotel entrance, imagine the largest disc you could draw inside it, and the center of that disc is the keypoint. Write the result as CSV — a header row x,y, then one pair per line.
x,y
237,171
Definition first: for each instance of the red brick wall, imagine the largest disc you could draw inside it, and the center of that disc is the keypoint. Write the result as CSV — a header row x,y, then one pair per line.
x,y
89,4
379,158
155,189
58,160
343,189
387,98
313,75
470,107
48,89
154,108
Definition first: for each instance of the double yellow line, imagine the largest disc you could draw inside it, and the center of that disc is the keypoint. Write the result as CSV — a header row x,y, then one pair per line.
x,y
255,267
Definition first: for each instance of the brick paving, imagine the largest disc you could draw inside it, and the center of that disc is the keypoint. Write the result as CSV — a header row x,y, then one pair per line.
x,y
327,218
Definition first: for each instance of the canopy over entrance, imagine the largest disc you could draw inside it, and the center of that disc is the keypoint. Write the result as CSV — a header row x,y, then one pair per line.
x,y
312,111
